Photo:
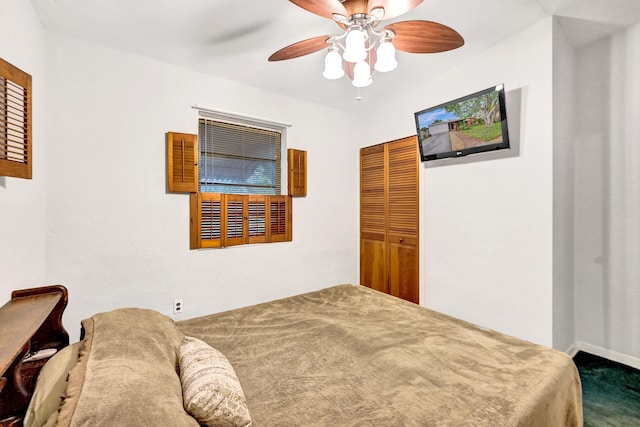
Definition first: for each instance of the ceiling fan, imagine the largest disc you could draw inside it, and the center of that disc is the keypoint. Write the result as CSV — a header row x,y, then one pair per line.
x,y
359,20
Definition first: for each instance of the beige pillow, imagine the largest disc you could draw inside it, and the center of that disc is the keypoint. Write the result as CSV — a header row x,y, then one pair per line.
x,y
50,386
211,392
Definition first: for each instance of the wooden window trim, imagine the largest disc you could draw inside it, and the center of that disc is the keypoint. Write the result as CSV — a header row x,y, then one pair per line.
x,y
16,159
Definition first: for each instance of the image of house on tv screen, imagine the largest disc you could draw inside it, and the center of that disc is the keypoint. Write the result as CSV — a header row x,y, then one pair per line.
x,y
461,125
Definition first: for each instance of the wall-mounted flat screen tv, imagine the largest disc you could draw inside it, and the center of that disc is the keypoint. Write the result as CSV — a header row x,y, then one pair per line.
x,y
472,124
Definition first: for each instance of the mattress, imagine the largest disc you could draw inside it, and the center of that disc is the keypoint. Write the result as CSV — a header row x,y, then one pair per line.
x,y
351,356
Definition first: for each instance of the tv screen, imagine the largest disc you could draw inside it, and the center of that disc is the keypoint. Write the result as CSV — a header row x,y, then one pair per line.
x,y
467,125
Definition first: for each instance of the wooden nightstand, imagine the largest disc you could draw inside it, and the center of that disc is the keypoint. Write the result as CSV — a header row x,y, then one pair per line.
x,y
19,338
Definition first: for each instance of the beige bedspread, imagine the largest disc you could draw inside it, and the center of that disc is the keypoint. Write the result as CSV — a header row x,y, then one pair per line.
x,y
351,356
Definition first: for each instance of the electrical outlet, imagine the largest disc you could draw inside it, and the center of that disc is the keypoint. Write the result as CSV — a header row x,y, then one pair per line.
x,y
177,306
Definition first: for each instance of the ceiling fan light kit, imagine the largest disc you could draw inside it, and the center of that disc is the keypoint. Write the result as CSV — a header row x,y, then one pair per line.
x,y
333,65
364,48
362,74
386,57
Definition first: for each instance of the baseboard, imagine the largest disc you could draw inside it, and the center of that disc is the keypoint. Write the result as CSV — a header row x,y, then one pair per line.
x,y
573,349
625,359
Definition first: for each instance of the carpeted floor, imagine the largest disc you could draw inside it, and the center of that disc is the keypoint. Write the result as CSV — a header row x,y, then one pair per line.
x,y
610,392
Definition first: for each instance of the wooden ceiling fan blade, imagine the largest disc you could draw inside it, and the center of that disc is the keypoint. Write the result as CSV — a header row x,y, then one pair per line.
x,y
301,48
324,8
424,37
348,69
393,8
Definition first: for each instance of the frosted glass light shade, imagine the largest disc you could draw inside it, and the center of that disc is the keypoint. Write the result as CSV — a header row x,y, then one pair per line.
x,y
355,50
386,57
333,66
362,75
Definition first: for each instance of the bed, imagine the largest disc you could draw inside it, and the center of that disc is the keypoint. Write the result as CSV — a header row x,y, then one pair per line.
x,y
342,356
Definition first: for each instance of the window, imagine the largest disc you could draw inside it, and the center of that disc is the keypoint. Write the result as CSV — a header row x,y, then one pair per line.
x,y
15,122
236,199
237,159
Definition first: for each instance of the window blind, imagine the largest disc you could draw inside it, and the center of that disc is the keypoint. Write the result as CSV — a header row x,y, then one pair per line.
x,y
237,159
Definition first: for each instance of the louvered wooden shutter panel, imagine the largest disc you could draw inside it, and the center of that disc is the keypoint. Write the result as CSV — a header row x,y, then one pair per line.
x,y
402,190
257,214
182,159
207,226
15,122
236,219
280,219
297,177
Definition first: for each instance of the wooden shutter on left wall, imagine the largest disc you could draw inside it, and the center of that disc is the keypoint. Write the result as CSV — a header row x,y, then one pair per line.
x,y
182,162
16,159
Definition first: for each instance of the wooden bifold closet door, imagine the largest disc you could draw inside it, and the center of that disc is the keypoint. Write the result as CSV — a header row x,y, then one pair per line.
x,y
389,202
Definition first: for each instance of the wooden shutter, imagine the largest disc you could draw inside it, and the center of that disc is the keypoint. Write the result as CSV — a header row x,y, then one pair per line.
x,y
206,224
220,220
280,219
182,162
15,122
257,214
235,220
297,177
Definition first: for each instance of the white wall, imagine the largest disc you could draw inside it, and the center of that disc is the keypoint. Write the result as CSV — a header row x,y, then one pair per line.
x,y
486,234
608,197
22,206
116,238
564,65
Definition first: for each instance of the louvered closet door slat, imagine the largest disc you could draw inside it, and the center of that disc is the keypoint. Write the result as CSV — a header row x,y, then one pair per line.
x,y
372,191
403,184
373,270
402,233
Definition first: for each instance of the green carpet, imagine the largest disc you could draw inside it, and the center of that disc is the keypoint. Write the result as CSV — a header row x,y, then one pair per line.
x,y
610,392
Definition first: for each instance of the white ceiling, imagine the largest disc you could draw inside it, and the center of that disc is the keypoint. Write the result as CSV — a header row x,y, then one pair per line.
x,y
233,38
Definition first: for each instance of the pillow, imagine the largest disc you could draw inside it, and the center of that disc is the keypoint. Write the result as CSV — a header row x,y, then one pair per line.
x,y
50,386
211,391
